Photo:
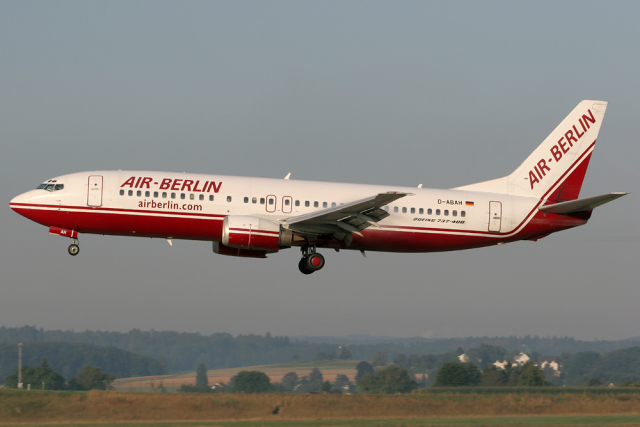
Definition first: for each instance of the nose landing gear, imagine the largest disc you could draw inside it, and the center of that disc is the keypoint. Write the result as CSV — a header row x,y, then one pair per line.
x,y
311,260
74,248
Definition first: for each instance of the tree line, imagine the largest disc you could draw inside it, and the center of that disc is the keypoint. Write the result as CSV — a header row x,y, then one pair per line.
x,y
43,377
69,359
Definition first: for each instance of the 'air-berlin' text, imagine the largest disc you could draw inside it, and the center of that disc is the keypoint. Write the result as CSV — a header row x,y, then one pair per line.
x,y
561,148
173,184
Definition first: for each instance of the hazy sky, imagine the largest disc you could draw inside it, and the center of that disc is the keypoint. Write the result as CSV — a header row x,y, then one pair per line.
x,y
440,93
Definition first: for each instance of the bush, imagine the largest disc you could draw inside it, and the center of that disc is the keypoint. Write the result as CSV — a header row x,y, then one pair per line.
x,y
251,382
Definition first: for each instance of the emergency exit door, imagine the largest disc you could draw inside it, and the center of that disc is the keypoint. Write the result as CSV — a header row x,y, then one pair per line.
x,y
495,216
94,193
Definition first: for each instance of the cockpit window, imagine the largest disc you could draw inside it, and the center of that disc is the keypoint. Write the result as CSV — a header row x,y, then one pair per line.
x,y
50,186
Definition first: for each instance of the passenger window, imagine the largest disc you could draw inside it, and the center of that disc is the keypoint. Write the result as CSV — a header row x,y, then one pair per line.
x,y
173,195
139,193
59,187
182,196
164,195
333,204
421,211
404,210
315,204
395,209
228,198
130,192
211,197
297,202
446,212
262,200
122,192
192,196
437,211
429,211
254,200
147,193
286,202
413,210
306,204
455,213
246,200
324,204
201,197
462,214
155,194
271,201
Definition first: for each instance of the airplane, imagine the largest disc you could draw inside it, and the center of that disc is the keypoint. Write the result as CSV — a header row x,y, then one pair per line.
x,y
253,217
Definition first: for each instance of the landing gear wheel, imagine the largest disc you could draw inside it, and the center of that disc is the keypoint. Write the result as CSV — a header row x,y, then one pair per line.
x,y
74,249
314,262
303,268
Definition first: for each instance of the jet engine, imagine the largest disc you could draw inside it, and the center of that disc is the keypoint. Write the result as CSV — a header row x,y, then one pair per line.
x,y
250,236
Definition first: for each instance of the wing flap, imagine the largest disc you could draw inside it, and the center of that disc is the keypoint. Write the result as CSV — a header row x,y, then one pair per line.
x,y
581,205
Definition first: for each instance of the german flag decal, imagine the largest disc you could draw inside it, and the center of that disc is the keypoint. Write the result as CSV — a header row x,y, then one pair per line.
x,y
468,203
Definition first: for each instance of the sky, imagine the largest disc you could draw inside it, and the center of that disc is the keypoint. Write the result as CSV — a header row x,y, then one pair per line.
x,y
443,93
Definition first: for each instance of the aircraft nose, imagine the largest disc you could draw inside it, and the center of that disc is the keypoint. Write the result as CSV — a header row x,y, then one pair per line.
x,y
18,201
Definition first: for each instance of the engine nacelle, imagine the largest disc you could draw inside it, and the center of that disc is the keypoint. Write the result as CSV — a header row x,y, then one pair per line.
x,y
250,232
221,249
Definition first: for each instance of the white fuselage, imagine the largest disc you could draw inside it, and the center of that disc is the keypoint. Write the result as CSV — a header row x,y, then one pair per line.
x,y
193,206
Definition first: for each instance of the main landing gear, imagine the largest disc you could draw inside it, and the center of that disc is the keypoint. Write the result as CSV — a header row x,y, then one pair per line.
x,y
311,260
74,248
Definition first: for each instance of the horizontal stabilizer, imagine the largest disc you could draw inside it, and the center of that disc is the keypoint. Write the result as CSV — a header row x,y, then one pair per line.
x,y
581,205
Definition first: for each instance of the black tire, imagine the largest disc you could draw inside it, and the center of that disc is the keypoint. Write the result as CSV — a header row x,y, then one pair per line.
x,y
303,268
74,250
314,262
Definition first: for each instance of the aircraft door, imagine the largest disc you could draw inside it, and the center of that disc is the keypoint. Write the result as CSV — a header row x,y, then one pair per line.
x,y
271,204
287,203
94,193
495,216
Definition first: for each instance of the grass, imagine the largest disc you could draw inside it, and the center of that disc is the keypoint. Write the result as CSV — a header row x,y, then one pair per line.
x,y
524,421
45,408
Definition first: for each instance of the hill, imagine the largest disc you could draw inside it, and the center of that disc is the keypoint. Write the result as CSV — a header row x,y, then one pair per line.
x,y
275,372
181,351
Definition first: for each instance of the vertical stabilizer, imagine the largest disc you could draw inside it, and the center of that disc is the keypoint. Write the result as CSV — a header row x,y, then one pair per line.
x,y
556,169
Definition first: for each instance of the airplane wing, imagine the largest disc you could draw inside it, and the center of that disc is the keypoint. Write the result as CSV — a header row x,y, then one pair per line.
x,y
341,221
581,205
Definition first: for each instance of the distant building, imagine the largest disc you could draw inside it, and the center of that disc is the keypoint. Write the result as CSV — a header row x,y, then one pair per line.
x,y
551,362
464,358
521,359
501,365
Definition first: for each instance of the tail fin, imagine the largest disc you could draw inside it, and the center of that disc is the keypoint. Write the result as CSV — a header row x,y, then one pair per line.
x,y
556,169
